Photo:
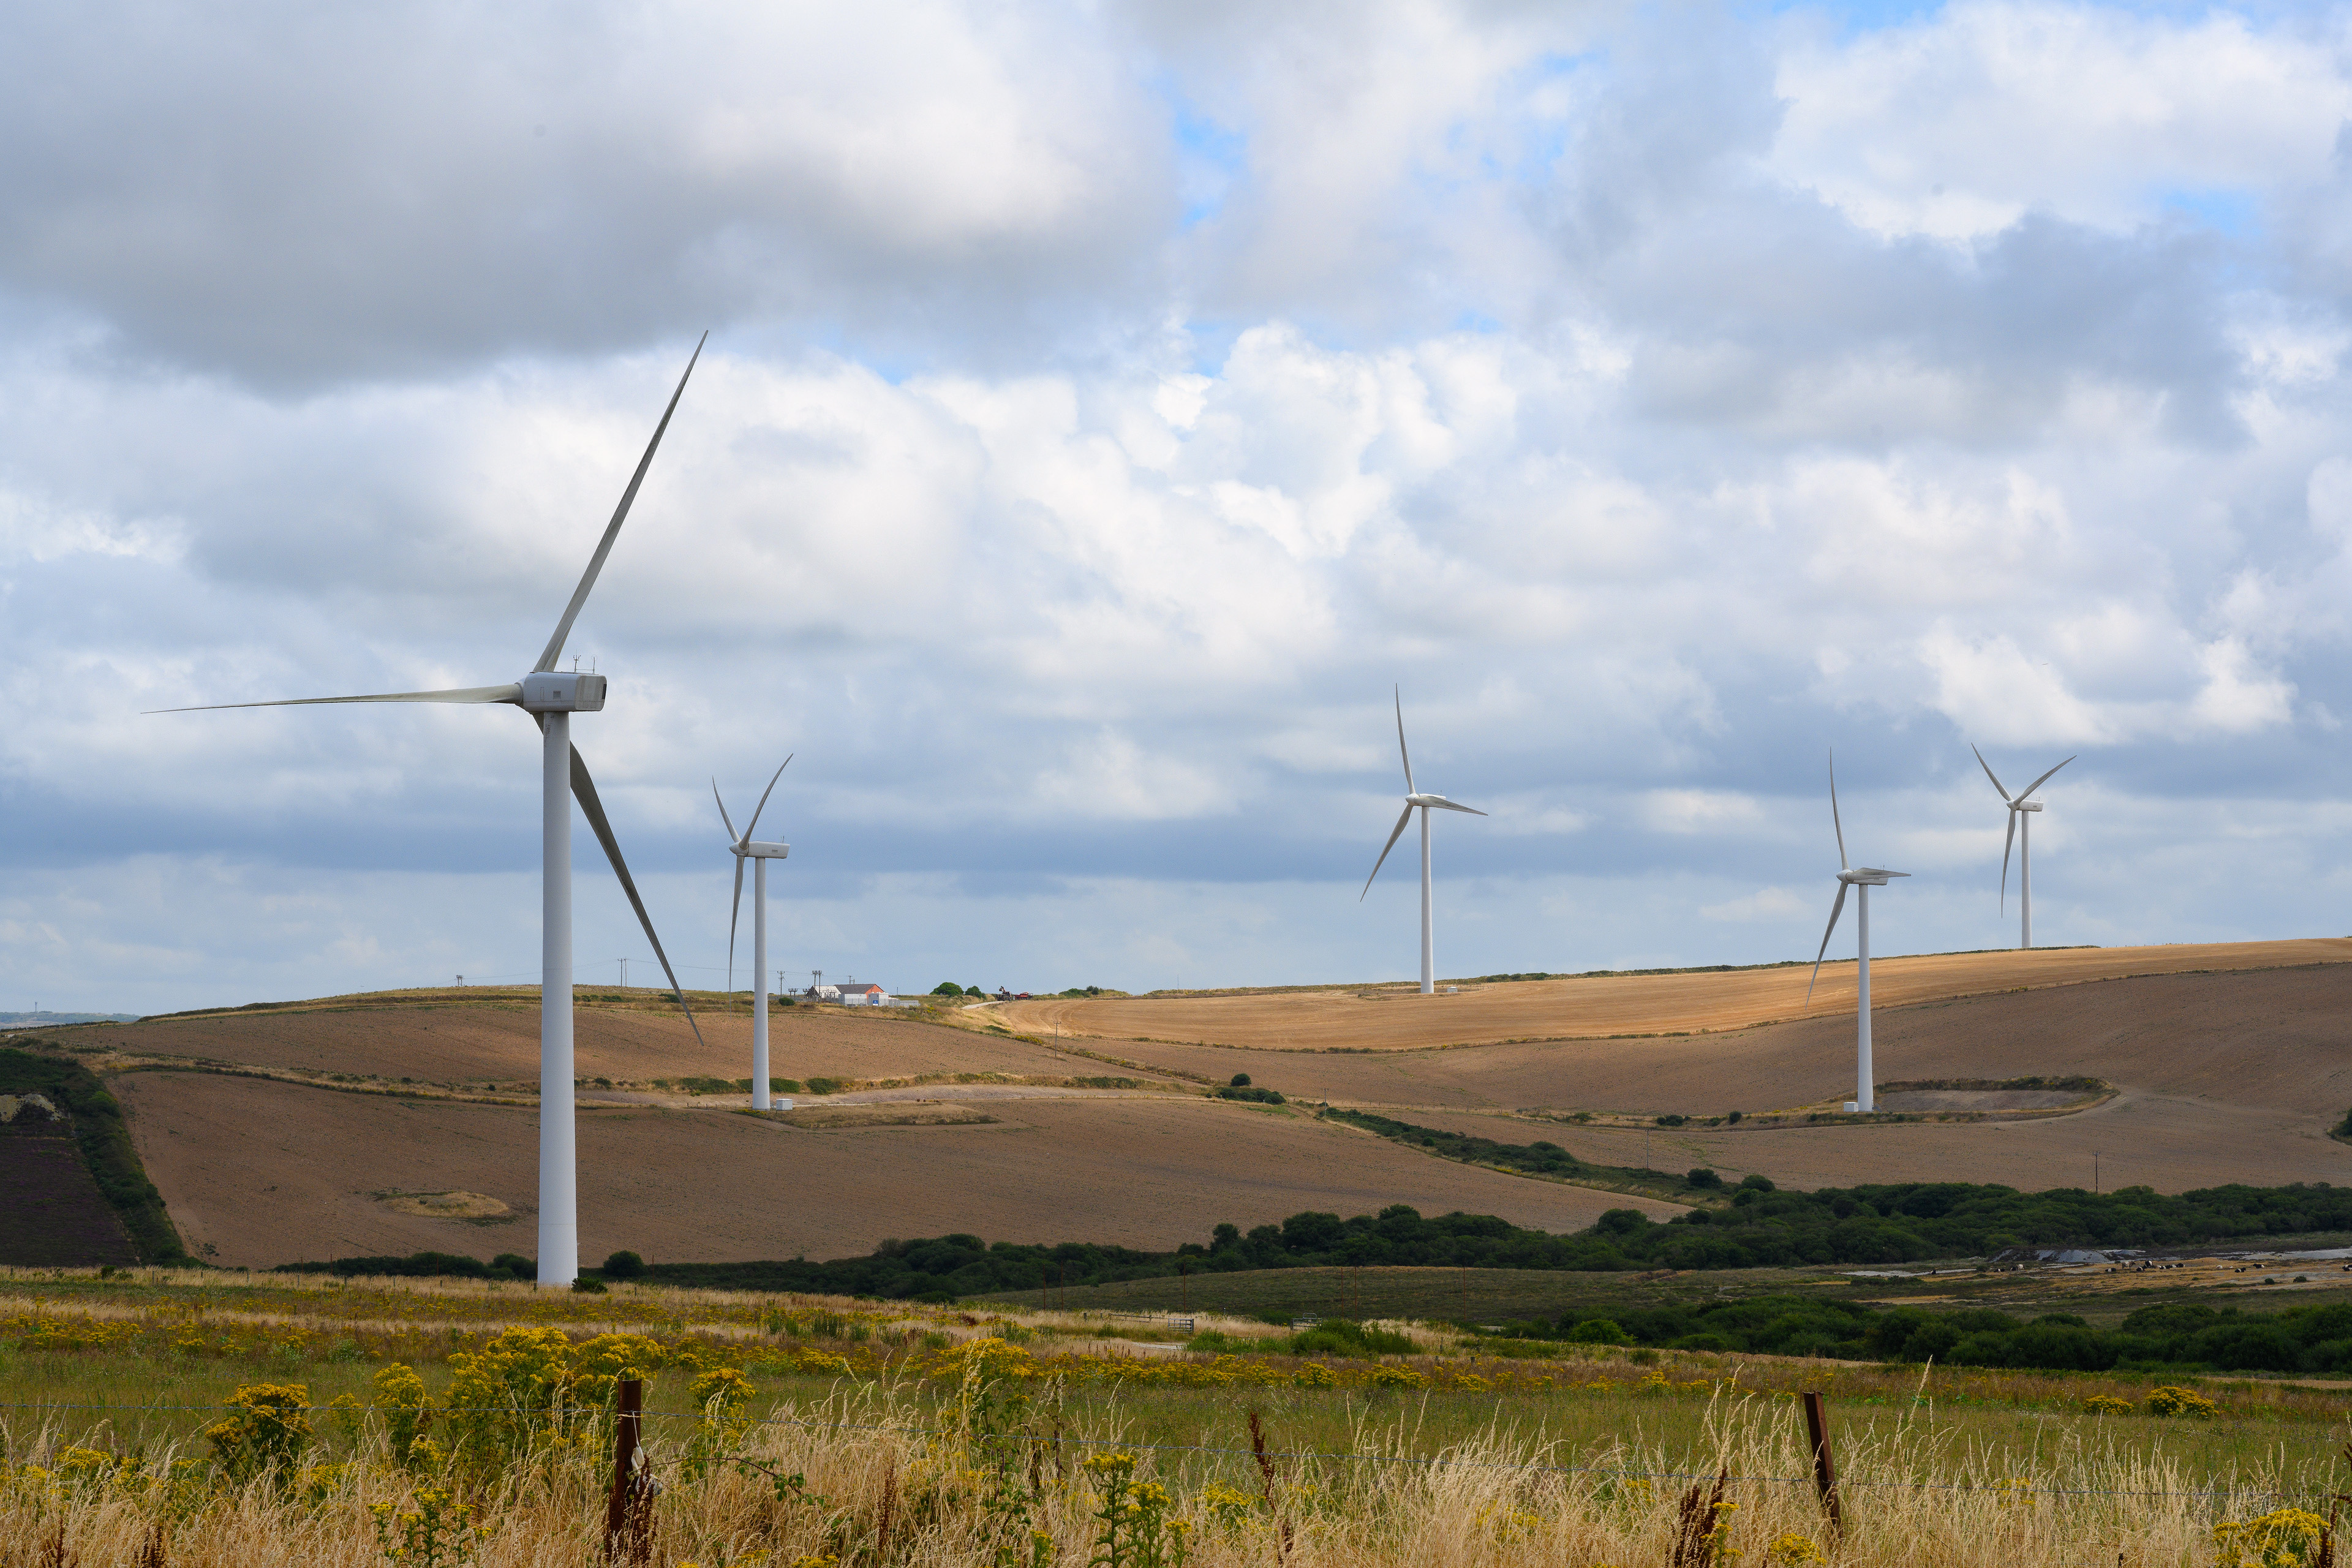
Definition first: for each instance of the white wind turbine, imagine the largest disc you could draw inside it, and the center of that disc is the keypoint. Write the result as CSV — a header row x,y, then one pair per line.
x,y
2021,832
741,846
1425,804
550,696
1863,877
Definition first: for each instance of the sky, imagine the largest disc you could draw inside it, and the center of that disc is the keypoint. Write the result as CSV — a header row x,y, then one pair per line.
x,y
1109,408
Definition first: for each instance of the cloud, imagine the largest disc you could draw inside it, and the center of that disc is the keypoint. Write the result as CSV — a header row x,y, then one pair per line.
x,y
1957,124
288,195
1764,904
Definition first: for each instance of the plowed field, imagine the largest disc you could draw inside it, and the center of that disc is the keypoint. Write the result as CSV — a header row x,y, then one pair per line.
x,y
265,1172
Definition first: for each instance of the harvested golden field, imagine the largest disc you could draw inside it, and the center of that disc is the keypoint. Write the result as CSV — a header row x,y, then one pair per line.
x,y
1403,1019
479,1036
259,1172
2229,1076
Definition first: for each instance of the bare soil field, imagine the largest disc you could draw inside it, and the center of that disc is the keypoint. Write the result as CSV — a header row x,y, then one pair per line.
x,y
479,1036
1403,1019
259,1172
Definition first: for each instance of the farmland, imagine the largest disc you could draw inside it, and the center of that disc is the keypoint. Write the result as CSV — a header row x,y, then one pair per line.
x,y
934,1435
371,1125
266,1172
1398,1018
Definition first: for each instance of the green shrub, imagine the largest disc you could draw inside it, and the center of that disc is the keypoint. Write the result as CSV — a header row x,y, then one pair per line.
x,y
1702,1177
1256,1096
1341,1337
623,1265
589,1285
1241,1080
1672,1120
1599,1331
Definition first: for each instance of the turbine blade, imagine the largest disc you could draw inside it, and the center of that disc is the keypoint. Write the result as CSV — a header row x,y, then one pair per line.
x,y
733,837
752,826
2006,845
554,650
2044,779
734,913
1384,851
1835,825
508,693
1996,782
1409,788
583,789
1836,909
1455,805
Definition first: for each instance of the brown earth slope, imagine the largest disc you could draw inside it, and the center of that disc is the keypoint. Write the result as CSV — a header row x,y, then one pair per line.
x,y
260,1173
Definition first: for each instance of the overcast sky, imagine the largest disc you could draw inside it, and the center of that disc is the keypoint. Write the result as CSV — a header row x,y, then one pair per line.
x,y
1106,405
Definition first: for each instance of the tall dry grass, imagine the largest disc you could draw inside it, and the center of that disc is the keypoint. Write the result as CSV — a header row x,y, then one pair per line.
x,y
886,1477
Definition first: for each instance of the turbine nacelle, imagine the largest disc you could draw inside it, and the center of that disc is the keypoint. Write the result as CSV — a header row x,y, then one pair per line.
x,y
1867,877
749,851
561,691
1442,804
2026,805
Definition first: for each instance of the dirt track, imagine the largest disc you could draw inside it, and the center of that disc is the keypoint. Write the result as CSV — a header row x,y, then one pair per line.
x,y
265,1174
1624,1004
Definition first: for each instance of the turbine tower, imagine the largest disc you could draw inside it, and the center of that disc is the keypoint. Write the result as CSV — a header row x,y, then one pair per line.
x,y
2020,833
1425,804
741,846
550,696
1864,879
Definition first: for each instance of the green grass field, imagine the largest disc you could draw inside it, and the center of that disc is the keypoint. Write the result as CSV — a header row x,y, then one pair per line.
x,y
898,1413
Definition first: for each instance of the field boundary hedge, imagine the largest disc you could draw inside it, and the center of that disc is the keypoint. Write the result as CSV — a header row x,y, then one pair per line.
x,y
104,1139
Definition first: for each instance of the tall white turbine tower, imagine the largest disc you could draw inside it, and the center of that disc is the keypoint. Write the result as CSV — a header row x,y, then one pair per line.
x,y
1425,804
741,846
550,696
2020,833
1864,879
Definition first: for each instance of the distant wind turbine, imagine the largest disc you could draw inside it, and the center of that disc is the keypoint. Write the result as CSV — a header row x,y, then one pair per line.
x,y
2020,833
1425,804
742,847
1863,878
550,696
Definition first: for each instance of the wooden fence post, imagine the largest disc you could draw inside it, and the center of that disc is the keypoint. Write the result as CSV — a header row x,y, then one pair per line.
x,y
1817,1430
622,1505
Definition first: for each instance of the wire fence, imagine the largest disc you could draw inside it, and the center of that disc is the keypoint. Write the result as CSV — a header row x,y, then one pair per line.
x,y
2210,1494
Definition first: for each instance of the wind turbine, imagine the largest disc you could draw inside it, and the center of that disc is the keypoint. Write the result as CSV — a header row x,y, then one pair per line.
x,y
1425,804
741,846
1863,878
550,696
2021,832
